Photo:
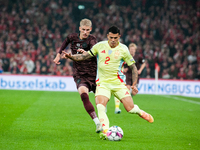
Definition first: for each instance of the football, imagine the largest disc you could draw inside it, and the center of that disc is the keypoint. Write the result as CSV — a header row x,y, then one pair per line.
x,y
115,133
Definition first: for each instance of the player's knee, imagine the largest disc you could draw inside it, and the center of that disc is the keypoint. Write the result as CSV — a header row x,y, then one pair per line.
x,y
82,89
134,110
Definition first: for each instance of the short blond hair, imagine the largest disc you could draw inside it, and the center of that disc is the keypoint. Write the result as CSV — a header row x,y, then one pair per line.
x,y
86,22
132,45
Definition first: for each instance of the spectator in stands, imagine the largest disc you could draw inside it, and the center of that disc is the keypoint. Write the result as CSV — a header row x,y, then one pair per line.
x,y
173,72
197,77
190,72
1,68
14,69
5,62
37,67
161,28
67,69
44,70
181,74
151,66
28,65
165,74
192,57
148,73
59,70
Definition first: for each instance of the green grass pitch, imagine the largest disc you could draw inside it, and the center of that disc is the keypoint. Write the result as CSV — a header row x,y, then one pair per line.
x,y
44,120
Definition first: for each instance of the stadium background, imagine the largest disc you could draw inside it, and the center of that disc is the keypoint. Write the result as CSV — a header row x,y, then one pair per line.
x,y
31,31
166,32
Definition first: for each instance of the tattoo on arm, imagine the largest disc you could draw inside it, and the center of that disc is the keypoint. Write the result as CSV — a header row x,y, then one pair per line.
x,y
80,57
134,73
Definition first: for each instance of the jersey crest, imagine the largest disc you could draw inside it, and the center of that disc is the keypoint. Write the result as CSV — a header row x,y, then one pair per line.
x,y
117,53
109,52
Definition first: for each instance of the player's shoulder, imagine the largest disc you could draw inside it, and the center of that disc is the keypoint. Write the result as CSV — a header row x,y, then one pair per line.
x,y
92,37
123,46
72,35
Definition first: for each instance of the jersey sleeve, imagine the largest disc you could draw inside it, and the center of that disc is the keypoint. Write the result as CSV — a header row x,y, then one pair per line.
x,y
127,57
141,60
64,44
94,50
93,41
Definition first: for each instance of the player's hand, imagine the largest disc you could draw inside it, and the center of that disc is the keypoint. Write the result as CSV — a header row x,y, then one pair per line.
x,y
134,90
66,55
56,60
139,72
81,50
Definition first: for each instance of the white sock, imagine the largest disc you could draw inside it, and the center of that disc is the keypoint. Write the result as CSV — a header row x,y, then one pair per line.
x,y
103,117
135,110
96,121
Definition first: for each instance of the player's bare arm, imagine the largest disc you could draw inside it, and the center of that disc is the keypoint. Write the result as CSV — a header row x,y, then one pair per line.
x,y
134,74
134,78
77,57
141,68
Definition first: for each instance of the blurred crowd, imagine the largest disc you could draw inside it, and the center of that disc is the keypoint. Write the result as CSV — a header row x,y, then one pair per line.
x,y
165,31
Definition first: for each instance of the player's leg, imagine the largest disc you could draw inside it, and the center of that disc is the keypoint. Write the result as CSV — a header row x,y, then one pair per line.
x,y
83,91
124,94
103,95
134,109
117,104
101,102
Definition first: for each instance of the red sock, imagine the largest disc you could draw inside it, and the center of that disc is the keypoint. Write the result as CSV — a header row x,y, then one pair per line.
x,y
88,105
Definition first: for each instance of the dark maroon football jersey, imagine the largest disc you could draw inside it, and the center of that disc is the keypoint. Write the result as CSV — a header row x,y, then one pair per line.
x,y
138,62
81,68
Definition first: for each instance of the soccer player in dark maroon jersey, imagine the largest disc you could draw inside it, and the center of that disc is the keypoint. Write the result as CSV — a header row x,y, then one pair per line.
x,y
84,72
140,64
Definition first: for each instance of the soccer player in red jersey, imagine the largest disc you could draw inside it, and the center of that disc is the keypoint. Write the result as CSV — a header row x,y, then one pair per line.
x,y
84,72
140,64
